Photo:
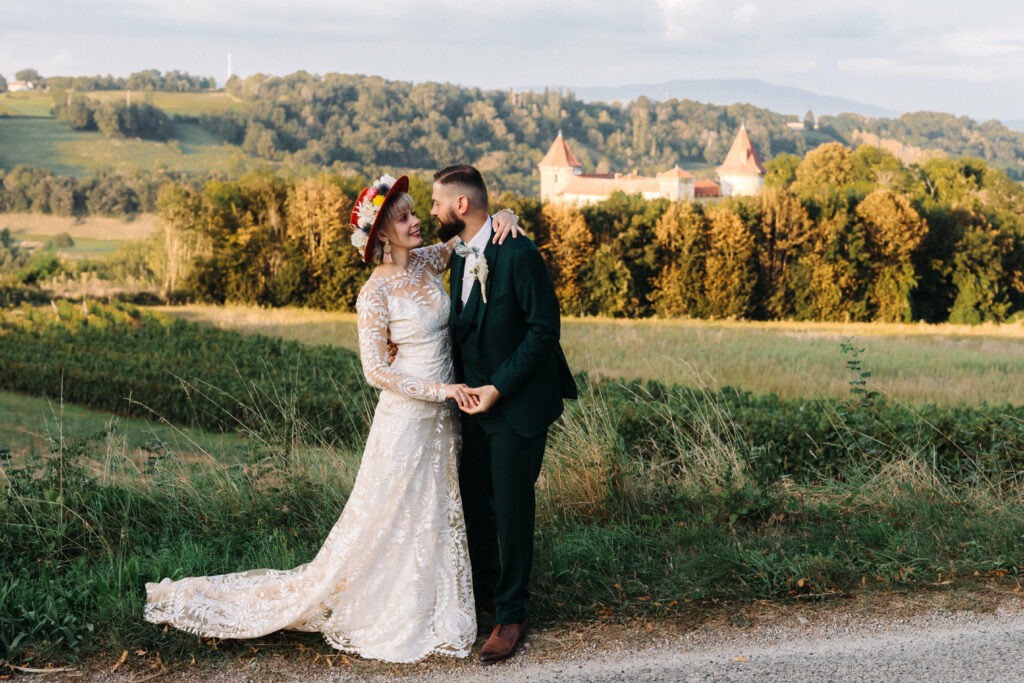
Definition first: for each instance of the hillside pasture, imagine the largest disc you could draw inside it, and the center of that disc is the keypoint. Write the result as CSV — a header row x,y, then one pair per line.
x,y
26,103
90,227
48,143
917,364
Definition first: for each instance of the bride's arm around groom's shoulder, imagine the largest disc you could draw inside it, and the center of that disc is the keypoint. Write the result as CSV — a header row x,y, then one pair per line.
x,y
438,256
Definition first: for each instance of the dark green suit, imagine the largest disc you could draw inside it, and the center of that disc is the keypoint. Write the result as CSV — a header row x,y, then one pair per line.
x,y
511,342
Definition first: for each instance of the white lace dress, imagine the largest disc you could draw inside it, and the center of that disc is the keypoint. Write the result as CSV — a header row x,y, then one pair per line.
x,y
392,581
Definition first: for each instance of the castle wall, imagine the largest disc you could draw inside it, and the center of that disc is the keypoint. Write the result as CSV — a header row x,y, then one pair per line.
x,y
741,185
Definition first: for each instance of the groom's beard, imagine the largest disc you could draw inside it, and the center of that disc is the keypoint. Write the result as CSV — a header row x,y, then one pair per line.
x,y
449,226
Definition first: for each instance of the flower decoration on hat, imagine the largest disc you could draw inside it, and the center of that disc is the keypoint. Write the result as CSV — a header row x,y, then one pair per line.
x,y
367,211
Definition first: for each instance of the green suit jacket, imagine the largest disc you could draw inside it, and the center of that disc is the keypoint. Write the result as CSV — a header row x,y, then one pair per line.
x,y
512,339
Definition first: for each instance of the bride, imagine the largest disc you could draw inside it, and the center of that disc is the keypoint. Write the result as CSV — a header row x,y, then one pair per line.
x,y
392,581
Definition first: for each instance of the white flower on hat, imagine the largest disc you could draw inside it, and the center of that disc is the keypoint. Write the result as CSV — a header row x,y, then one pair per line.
x,y
359,239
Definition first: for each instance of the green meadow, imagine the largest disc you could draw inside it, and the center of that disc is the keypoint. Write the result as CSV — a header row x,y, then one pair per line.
x,y
654,503
30,136
942,364
50,144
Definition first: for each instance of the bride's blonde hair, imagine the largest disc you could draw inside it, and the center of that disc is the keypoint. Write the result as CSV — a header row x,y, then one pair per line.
x,y
397,205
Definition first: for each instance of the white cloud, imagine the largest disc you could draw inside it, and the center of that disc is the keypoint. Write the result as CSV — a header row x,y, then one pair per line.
x,y
850,48
745,14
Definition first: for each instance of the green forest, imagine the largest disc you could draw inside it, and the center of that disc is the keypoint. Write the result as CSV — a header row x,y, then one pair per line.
x,y
308,122
842,232
839,235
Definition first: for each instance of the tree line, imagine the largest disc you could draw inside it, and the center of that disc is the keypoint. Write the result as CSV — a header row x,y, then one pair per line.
x,y
113,118
954,135
121,194
366,122
147,79
839,236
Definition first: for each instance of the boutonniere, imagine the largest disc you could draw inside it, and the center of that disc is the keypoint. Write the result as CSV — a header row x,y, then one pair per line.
x,y
479,271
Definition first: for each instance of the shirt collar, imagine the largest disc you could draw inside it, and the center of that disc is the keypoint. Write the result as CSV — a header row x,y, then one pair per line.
x,y
482,237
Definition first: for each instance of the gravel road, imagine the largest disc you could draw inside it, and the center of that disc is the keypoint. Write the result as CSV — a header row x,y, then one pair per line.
x,y
895,641
941,648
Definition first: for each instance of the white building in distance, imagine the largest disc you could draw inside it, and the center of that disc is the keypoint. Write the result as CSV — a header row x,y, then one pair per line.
x,y
562,179
742,172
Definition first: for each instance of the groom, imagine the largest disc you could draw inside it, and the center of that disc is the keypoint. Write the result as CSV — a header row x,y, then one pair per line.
x,y
505,326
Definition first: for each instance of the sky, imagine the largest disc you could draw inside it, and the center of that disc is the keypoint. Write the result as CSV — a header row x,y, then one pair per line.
x,y
906,55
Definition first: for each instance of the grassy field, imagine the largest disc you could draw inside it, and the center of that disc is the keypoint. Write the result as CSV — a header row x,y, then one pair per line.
x,y
186,103
28,424
48,143
43,226
944,364
28,135
84,247
25,104
651,505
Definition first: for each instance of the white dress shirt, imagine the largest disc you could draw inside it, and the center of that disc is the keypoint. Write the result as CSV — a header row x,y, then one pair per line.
x,y
479,242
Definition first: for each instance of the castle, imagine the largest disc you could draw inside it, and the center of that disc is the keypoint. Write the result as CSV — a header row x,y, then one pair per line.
x,y
561,180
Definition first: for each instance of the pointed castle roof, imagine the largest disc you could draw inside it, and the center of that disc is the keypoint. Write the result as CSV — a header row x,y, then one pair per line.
x,y
559,155
742,158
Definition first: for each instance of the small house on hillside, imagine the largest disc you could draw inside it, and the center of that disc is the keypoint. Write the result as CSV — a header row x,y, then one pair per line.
x,y
20,86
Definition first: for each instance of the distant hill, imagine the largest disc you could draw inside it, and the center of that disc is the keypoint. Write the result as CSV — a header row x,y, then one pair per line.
x,y
1017,124
724,91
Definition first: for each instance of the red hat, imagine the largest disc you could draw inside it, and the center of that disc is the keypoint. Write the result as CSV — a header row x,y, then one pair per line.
x,y
368,212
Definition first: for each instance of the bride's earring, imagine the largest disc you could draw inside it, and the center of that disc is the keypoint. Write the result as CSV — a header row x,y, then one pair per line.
x,y
386,258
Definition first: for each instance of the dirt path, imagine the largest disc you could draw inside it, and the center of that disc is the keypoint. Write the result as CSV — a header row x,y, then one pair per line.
x,y
977,636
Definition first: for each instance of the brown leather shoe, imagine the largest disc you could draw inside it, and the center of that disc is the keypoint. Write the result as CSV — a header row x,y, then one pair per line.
x,y
502,643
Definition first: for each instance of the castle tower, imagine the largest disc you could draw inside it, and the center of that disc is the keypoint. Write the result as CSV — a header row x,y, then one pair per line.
x,y
742,172
676,184
556,168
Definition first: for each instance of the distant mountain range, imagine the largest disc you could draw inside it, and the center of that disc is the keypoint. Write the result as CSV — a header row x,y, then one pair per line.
x,y
778,98
1017,125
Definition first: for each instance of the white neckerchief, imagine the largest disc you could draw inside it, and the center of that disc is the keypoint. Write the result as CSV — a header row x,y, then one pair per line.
x,y
479,242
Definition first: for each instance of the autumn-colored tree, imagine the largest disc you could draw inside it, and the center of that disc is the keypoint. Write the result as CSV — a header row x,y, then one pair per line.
x,y
783,228
730,265
893,230
824,169
318,218
678,288
184,241
568,252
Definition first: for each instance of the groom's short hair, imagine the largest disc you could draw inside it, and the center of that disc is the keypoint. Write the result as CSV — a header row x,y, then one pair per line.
x,y
468,181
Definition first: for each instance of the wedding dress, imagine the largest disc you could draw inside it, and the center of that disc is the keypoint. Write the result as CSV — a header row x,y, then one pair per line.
x,y
392,581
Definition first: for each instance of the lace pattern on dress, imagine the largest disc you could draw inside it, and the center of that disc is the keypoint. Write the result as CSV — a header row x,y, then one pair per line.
x,y
392,580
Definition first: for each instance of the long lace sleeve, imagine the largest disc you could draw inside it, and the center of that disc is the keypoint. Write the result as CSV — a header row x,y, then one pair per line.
x,y
372,323
436,257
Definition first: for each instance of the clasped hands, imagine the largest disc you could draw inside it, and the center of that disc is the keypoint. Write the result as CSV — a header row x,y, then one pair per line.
x,y
473,400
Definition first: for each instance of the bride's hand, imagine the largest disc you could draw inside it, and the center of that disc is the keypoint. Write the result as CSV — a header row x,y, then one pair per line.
x,y
505,223
458,393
